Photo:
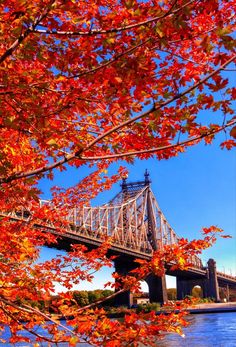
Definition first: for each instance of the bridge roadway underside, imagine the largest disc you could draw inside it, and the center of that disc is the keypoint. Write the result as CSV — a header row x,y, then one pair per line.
x,y
64,242
206,278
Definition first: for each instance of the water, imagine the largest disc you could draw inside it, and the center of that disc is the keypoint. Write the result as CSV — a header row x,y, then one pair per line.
x,y
206,330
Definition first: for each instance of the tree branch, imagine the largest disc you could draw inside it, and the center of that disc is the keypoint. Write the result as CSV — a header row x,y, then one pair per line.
x,y
178,56
28,309
228,69
158,149
78,153
109,62
159,106
113,30
22,36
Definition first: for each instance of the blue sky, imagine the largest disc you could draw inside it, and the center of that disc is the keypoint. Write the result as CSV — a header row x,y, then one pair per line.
x,y
195,189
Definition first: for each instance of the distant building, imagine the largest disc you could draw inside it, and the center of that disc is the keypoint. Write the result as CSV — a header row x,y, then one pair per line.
x,y
141,301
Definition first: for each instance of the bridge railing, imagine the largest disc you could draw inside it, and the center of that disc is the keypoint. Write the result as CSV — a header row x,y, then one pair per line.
x,y
222,274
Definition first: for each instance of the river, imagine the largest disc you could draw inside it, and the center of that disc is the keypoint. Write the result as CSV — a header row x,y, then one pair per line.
x,y
206,330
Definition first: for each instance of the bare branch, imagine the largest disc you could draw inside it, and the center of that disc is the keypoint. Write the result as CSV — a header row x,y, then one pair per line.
x,y
158,149
228,69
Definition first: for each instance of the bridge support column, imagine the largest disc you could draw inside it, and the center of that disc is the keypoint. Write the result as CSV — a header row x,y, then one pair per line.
x,y
213,288
227,293
184,287
157,288
122,267
124,299
205,288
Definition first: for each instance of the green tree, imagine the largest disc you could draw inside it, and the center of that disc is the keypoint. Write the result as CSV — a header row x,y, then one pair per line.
x,y
197,292
81,297
172,293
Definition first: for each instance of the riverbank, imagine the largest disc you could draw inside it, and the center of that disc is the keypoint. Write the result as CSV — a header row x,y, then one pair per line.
x,y
196,309
213,308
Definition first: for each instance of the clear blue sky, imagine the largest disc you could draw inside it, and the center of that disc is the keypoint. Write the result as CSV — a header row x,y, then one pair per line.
x,y
195,189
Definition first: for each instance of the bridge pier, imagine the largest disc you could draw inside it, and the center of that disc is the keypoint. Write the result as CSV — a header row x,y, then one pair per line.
x,y
156,285
186,285
227,293
124,299
209,284
157,288
213,287
122,266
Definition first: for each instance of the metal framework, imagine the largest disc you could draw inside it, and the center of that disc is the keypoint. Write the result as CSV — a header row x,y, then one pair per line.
x,y
132,220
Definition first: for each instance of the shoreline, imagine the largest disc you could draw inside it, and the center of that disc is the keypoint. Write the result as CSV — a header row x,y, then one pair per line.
x,y
213,308
197,309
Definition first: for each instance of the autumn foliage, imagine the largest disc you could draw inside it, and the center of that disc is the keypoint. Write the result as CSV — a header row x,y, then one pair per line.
x,y
88,83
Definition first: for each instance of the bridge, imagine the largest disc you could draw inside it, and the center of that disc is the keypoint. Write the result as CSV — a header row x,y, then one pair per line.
x,y
137,227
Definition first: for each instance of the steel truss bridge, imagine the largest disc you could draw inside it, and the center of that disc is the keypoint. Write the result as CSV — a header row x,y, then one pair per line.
x,y
135,224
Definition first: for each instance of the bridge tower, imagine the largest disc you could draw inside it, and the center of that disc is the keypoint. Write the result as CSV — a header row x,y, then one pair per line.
x,y
124,264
